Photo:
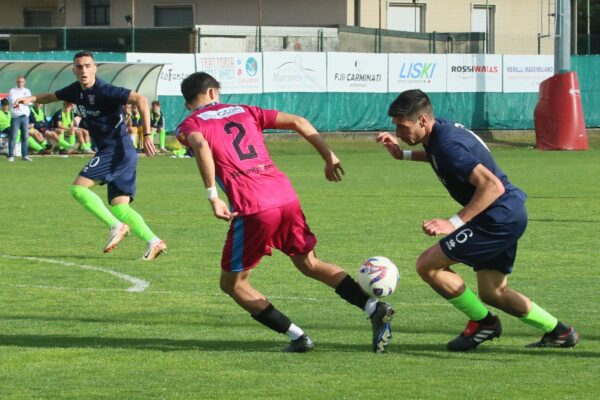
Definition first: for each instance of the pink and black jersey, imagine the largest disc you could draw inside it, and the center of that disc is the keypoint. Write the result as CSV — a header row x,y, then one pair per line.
x,y
243,166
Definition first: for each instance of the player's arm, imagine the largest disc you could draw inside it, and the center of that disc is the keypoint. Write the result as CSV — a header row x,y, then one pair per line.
x,y
393,147
42,98
488,188
333,168
206,166
144,109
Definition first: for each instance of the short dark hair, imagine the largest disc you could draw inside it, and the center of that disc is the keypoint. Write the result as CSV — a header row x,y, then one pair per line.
x,y
156,103
197,83
83,53
4,102
410,104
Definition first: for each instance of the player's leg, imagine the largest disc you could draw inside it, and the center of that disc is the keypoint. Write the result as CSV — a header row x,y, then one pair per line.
x,y
162,138
237,286
120,193
433,266
494,290
80,190
335,277
247,242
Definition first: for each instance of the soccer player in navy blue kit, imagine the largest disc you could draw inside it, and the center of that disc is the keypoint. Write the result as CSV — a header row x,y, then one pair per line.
x,y
483,234
101,107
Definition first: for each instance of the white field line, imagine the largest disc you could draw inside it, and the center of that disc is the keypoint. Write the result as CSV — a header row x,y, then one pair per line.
x,y
139,285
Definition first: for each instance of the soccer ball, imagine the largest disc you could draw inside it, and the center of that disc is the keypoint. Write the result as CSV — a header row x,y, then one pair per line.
x,y
378,276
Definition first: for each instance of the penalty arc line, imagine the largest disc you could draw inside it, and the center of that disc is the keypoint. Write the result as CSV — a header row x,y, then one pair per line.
x,y
139,285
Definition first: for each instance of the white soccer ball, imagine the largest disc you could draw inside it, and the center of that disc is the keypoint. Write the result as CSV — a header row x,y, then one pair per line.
x,y
378,276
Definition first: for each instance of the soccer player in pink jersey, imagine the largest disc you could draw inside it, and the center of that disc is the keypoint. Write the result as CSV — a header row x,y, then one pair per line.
x,y
227,141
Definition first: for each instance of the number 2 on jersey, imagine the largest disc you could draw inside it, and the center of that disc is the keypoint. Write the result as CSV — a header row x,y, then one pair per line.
x,y
239,131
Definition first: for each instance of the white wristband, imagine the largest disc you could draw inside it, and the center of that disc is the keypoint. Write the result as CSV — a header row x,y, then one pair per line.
x,y
456,221
407,155
212,193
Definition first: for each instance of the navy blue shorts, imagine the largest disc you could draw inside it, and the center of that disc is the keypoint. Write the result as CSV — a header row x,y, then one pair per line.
x,y
116,169
486,244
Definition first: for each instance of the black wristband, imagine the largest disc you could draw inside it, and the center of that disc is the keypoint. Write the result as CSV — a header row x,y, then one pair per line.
x,y
147,134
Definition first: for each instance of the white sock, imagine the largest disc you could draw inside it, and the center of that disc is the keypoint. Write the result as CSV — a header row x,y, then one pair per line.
x,y
371,305
116,226
294,332
154,241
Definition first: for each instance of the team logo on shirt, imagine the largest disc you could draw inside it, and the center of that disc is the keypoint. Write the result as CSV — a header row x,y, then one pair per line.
x,y
91,99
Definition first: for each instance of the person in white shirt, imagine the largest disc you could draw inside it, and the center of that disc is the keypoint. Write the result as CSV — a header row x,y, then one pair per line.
x,y
19,120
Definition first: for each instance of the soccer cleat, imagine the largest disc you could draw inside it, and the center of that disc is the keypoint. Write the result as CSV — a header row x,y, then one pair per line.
x,y
26,158
475,334
11,159
565,340
117,233
154,250
382,329
162,150
303,344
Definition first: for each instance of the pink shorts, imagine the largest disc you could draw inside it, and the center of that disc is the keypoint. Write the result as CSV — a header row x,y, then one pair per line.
x,y
251,237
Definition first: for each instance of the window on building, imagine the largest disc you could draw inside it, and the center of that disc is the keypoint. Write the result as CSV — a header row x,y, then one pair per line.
x,y
173,16
96,12
482,20
406,17
37,18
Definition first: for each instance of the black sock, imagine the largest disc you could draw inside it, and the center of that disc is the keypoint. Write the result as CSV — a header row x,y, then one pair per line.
x,y
350,291
489,319
560,328
272,318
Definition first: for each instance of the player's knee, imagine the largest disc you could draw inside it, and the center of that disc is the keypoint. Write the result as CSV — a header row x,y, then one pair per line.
x,y
77,191
422,267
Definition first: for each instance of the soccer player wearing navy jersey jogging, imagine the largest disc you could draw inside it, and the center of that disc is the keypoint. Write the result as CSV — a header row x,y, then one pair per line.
x,y
482,235
101,107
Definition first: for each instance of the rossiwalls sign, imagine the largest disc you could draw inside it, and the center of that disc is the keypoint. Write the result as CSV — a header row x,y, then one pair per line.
x,y
474,72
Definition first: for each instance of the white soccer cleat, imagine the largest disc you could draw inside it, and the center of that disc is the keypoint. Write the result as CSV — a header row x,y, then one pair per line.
x,y
154,250
117,233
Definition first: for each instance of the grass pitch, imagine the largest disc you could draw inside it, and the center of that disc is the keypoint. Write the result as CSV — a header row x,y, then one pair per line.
x,y
68,332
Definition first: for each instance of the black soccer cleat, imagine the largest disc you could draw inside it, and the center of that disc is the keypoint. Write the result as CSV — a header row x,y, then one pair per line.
x,y
382,329
564,340
475,334
303,344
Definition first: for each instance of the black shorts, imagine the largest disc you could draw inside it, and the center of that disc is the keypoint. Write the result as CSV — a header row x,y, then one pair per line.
x,y
115,169
485,244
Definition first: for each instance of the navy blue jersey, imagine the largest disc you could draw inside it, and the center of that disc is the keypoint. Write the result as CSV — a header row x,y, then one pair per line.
x,y
454,152
101,108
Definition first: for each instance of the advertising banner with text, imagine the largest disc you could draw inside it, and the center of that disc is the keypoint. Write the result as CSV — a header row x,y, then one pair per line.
x,y
357,72
474,72
525,73
294,72
237,72
177,68
417,71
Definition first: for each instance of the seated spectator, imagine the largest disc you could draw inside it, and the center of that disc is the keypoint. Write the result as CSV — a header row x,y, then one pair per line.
x,y
4,123
157,125
43,134
62,122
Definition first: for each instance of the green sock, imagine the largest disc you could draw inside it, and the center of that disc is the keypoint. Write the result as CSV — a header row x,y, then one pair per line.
x,y
33,145
62,143
86,146
72,139
469,304
44,143
129,216
93,204
162,137
540,318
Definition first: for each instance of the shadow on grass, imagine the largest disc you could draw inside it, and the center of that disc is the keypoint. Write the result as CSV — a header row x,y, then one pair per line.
x,y
566,221
272,346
